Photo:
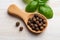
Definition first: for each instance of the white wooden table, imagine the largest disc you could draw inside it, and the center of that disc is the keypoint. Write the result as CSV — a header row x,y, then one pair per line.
x,y
8,31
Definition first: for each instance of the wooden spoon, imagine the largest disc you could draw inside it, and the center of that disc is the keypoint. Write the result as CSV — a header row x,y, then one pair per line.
x,y
14,10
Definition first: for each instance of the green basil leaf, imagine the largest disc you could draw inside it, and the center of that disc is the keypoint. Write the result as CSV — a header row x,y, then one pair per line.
x,y
46,11
32,6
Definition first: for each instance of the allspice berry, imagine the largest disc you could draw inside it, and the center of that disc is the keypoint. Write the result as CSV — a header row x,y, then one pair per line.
x,y
21,28
17,24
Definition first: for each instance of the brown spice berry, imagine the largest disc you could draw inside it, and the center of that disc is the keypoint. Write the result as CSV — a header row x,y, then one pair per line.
x,y
29,22
44,25
37,29
35,15
36,25
37,18
33,27
40,20
41,28
17,24
34,19
37,22
41,23
21,28
44,21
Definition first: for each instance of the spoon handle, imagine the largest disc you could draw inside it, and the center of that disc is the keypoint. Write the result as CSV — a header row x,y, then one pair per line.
x,y
14,10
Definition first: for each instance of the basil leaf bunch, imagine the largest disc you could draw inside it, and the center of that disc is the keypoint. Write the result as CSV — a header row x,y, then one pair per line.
x,y
41,6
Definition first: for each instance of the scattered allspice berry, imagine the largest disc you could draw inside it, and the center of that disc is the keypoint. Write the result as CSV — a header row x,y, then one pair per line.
x,y
21,28
17,24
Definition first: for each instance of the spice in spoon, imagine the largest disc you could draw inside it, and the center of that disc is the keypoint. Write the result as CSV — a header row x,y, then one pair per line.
x,y
37,23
